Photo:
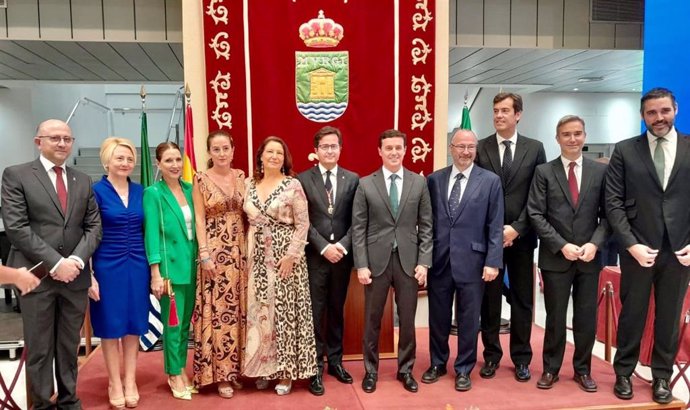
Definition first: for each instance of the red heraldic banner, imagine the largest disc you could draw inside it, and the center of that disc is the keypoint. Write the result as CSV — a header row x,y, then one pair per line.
x,y
290,67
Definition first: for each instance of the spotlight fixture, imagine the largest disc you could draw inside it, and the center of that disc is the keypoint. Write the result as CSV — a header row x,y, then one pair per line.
x,y
589,79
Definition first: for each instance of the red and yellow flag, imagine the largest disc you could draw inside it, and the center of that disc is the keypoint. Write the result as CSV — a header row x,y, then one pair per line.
x,y
189,159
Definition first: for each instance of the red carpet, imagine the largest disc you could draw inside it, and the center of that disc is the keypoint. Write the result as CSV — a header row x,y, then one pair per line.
x,y
501,392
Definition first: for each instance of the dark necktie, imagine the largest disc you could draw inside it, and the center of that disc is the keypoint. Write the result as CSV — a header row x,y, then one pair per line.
x,y
660,159
454,198
572,183
393,195
507,161
329,187
61,189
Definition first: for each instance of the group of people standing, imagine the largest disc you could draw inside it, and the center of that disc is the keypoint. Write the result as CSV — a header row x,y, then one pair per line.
x,y
260,266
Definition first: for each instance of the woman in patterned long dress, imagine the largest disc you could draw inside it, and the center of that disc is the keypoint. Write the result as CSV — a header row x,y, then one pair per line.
x,y
280,331
221,290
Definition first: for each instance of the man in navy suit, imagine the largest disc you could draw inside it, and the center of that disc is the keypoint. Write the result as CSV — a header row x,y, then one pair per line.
x,y
566,208
647,202
467,204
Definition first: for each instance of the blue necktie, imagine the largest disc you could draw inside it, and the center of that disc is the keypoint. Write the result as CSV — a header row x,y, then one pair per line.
x,y
393,195
454,198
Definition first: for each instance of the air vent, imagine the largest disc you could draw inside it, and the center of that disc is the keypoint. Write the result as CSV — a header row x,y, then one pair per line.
x,y
617,11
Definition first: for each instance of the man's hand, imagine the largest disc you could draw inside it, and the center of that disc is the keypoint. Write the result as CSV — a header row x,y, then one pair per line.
x,y
509,235
333,253
571,251
25,280
285,265
644,255
420,274
66,271
589,251
94,290
683,256
489,273
364,276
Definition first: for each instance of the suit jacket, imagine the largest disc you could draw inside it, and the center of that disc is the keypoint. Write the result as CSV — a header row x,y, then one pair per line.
x,y
474,239
528,154
172,250
37,227
558,222
321,223
637,207
374,228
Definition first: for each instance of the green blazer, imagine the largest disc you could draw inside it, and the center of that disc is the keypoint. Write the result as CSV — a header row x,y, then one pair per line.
x,y
179,262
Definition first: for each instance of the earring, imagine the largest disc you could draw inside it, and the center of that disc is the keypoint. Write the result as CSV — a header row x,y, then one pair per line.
x,y
282,170
261,168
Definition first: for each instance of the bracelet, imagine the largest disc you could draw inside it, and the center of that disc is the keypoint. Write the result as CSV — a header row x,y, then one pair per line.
x,y
203,260
203,248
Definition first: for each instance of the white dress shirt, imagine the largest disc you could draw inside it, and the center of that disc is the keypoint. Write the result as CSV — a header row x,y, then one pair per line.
x,y
334,179
463,182
578,169
669,148
502,148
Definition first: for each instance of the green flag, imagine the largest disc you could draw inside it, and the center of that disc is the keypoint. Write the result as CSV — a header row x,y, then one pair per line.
x,y
146,178
466,123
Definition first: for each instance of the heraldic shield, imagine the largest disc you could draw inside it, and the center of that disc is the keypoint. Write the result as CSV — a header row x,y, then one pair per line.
x,y
322,84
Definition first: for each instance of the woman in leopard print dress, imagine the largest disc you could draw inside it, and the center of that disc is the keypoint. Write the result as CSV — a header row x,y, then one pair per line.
x,y
280,332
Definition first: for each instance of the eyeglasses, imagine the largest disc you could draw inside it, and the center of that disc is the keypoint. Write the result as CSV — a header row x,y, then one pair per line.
x,y
464,147
55,139
329,147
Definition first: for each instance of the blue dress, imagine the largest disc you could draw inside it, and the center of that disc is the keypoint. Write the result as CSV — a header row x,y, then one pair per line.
x,y
120,265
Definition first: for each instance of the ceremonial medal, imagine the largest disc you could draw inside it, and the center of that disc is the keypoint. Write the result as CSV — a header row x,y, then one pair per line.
x,y
330,209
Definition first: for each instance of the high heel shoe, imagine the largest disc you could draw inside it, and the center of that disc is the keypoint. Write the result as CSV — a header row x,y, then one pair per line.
x,y
179,394
192,390
115,402
236,385
283,389
225,390
261,384
132,400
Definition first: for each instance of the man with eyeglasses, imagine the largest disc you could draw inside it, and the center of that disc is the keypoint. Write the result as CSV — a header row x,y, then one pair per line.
x,y
467,205
51,216
330,190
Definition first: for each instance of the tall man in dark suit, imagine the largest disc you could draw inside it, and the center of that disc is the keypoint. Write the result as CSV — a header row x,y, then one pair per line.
x,y
647,203
392,245
51,216
467,203
513,157
330,190
566,208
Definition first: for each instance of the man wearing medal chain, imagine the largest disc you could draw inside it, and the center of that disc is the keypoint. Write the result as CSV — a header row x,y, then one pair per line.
x,y
330,190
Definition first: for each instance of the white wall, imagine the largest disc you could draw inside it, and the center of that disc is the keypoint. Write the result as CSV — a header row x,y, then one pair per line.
x,y
16,126
609,118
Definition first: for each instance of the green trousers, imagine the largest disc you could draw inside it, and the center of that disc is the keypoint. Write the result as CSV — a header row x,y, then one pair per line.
x,y
175,337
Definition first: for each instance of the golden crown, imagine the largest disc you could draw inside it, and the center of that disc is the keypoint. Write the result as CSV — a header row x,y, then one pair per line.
x,y
321,32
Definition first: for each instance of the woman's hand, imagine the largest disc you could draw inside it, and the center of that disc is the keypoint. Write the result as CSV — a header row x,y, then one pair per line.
x,y
285,265
157,286
94,290
207,264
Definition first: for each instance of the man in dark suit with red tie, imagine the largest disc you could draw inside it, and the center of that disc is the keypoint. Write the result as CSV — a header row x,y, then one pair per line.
x,y
330,190
51,216
647,204
467,204
566,208
513,157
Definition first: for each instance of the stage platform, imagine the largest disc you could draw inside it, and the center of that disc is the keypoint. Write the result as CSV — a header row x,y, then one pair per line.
x,y
501,392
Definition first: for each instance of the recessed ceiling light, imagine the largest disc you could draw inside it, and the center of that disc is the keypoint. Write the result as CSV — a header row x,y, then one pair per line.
x,y
575,89
589,79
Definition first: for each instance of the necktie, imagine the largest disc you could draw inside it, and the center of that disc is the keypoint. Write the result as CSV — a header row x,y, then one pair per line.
x,y
329,187
507,161
660,159
454,198
61,189
393,195
572,183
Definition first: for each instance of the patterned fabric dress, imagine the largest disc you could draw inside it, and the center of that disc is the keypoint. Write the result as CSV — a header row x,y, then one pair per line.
x,y
280,330
219,310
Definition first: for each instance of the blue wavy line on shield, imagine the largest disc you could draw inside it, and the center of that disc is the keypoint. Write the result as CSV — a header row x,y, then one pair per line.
x,y
322,112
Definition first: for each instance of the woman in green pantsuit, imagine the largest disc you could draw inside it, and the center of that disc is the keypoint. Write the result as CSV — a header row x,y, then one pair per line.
x,y
169,233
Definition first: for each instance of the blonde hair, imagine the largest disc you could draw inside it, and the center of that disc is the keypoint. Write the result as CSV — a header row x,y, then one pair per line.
x,y
108,147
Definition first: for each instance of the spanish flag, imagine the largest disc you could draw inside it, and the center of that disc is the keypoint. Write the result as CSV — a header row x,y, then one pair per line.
x,y
189,160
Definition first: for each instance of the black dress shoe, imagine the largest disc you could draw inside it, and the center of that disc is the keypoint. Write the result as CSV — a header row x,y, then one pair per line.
x,y
488,371
369,382
433,373
340,373
547,380
522,373
462,382
408,382
661,392
316,385
623,388
585,382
